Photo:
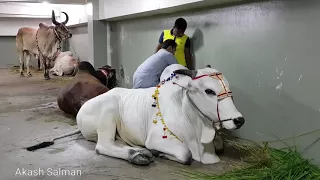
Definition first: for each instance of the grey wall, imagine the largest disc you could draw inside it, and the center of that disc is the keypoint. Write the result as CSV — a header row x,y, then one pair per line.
x,y
78,44
8,54
269,52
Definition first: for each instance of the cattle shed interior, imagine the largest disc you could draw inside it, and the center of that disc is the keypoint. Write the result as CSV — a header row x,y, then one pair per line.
x,y
268,51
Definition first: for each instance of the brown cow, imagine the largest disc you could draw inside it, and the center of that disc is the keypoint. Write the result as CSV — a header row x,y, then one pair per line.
x,y
88,83
44,43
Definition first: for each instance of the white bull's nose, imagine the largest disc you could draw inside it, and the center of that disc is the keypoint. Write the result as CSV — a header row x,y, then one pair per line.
x,y
239,122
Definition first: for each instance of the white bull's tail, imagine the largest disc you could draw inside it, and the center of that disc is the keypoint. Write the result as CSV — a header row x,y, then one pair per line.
x,y
49,143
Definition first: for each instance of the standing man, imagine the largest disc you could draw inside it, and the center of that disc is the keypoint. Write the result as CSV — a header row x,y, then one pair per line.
x,y
183,53
149,72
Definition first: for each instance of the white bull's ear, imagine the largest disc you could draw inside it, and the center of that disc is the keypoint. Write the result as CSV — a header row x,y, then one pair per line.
x,y
207,134
186,83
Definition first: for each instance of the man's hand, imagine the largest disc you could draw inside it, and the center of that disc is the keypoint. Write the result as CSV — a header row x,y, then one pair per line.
x,y
188,57
160,41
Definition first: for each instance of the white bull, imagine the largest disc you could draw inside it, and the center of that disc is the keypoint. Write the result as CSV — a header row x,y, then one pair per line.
x,y
176,120
182,125
65,64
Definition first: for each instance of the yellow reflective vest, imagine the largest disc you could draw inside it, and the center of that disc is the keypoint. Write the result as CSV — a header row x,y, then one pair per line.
x,y
181,42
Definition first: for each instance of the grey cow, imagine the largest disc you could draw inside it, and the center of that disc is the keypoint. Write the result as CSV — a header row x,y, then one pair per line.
x,y
43,42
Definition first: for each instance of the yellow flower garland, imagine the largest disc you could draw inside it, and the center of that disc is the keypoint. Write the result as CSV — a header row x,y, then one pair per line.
x,y
155,121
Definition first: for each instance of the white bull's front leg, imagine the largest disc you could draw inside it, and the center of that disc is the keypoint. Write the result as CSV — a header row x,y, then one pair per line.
x,y
107,145
169,148
99,123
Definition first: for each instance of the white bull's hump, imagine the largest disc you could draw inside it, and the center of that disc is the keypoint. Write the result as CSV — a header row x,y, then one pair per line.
x,y
169,69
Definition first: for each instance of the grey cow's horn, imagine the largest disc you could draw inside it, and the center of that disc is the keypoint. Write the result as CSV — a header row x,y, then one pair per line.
x,y
53,18
67,18
187,72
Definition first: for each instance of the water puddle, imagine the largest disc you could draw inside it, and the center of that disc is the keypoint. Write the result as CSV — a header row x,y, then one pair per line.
x,y
42,106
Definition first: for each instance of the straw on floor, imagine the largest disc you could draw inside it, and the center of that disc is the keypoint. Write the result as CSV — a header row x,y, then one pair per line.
x,y
264,163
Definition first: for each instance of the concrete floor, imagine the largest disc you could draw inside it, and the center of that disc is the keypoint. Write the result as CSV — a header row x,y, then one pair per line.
x,y
29,114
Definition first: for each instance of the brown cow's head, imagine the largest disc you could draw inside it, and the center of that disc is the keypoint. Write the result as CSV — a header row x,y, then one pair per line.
x,y
108,76
62,31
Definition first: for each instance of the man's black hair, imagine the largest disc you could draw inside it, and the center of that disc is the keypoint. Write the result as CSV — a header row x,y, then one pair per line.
x,y
181,24
169,42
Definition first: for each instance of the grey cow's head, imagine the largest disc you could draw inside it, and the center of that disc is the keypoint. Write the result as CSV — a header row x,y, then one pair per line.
x,y
61,29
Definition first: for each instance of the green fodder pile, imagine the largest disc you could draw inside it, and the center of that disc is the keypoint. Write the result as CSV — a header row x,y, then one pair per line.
x,y
265,163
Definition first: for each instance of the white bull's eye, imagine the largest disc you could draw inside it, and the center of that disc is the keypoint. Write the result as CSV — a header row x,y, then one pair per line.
x,y
210,92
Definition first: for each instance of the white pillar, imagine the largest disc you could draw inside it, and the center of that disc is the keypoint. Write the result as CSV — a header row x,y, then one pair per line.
x,y
97,34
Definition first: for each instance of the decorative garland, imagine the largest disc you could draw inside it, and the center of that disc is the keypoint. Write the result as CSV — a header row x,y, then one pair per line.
x,y
159,114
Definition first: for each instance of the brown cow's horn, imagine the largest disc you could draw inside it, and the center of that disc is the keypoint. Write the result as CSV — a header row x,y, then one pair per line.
x,y
53,18
187,72
67,18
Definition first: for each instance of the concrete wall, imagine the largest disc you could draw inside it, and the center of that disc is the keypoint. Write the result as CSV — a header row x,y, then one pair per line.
x,y
8,55
10,26
15,15
8,30
267,50
126,9
78,44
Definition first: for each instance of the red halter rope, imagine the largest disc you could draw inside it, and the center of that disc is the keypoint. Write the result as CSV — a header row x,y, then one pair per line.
x,y
225,91
104,72
222,95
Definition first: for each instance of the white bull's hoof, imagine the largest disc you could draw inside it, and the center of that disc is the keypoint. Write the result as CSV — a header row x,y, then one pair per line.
x,y
156,153
146,153
218,144
29,75
210,158
138,158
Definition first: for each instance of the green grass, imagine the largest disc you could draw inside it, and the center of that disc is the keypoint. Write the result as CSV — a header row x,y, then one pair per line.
x,y
265,163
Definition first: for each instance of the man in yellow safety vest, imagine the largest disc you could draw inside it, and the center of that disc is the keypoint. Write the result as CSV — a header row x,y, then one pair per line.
x,y
182,53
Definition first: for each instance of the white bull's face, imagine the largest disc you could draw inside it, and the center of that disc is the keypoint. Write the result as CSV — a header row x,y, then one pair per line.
x,y
209,91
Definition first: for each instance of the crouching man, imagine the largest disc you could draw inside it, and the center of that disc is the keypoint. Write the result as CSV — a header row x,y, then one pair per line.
x,y
149,72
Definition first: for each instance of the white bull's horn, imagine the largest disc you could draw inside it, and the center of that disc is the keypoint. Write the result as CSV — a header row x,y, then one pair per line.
x,y
187,72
